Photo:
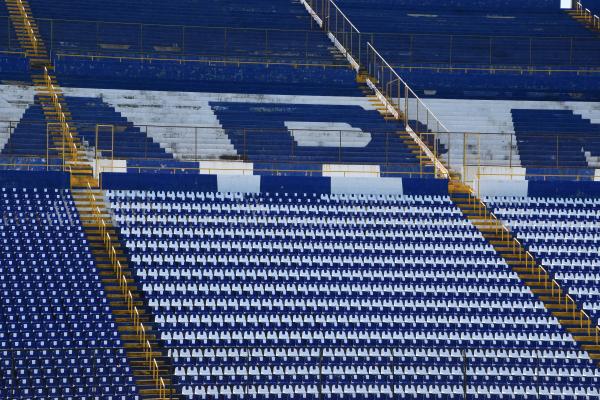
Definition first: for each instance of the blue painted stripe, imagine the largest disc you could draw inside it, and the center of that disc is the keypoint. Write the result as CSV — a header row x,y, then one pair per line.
x,y
31,179
273,184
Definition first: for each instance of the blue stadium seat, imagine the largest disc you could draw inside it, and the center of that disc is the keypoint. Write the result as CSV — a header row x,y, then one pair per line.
x,y
58,338
366,296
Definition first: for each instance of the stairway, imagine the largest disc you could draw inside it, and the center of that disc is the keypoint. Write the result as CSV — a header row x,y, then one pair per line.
x,y
28,33
424,161
62,136
145,354
556,300
585,17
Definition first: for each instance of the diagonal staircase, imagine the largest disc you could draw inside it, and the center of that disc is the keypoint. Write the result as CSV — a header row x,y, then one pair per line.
x,y
584,16
145,352
556,300
151,367
425,163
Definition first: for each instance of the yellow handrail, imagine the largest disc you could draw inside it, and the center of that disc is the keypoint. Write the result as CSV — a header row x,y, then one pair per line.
x,y
30,31
587,14
140,329
556,289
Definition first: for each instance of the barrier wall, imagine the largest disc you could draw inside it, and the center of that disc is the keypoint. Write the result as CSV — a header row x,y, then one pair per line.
x,y
592,5
274,184
539,188
468,5
23,179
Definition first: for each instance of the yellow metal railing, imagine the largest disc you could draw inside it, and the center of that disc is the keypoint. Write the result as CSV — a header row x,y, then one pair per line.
x,y
402,102
52,89
28,26
588,16
536,269
134,314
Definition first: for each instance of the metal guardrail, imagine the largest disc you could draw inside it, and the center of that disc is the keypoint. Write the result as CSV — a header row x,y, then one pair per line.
x,y
456,149
126,292
342,32
485,52
535,267
404,104
184,41
590,18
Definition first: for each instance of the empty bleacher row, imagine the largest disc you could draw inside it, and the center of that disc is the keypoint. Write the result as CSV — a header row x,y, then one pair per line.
x,y
484,35
263,31
58,338
556,138
562,234
304,136
246,288
28,140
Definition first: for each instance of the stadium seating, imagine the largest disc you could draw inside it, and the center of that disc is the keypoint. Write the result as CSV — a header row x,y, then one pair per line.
x,y
556,138
29,136
484,35
276,132
29,139
119,138
562,234
57,335
311,135
502,85
261,31
338,296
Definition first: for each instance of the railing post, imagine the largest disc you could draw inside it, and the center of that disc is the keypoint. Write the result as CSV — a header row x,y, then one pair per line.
x,y
321,373
465,374
13,373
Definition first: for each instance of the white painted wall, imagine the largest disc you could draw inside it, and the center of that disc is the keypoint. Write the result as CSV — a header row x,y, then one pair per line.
x,y
327,134
14,101
489,117
566,3
351,170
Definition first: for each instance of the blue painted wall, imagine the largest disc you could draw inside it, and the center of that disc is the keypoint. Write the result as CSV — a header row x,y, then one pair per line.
x,y
271,184
24,179
563,189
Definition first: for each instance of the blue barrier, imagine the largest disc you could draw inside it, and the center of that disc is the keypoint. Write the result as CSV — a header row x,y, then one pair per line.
x,y
295,184
34,179
273,184
414,186
509,86
564,189
120,181
592,5
14,67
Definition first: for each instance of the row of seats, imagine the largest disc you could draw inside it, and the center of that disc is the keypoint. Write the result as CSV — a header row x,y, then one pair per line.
x,y
58,338
554,236
265,304
491,36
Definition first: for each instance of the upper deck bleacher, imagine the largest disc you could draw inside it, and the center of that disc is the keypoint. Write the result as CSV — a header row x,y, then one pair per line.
x,y
261,30
486,34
